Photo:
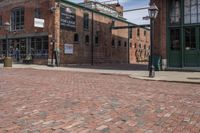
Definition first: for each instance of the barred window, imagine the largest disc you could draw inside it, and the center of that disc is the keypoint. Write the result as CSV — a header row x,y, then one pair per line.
x,y
17,19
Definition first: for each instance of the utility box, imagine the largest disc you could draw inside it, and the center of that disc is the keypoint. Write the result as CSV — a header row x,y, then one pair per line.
x,y
8,62
157,62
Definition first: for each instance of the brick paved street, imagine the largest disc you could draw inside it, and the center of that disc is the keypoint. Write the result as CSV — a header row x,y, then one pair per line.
x,y
38,101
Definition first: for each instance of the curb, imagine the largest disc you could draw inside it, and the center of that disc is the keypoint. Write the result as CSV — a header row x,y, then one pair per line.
x,y
162,80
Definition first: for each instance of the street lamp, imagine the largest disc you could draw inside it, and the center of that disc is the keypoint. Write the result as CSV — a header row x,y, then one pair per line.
x,y
7,29
7,59
153,13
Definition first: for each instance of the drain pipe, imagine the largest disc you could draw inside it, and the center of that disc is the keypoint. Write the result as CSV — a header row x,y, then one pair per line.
x,y
92,44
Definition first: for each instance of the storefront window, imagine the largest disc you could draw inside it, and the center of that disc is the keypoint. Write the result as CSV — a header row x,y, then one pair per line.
x,y
175,11
190,38
39,47
191,11
175,39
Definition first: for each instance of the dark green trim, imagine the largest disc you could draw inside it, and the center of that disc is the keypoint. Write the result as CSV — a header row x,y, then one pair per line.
x,y
91,10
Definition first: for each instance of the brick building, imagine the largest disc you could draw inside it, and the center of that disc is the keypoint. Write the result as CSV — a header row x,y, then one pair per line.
x,y
139,45
177,33
64,31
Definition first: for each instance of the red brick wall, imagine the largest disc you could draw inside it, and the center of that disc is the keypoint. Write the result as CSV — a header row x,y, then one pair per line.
x,y
160,29
138,54
103,53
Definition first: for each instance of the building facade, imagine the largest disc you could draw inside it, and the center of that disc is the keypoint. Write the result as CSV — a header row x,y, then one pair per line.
x,y
62,31
177,33
139,45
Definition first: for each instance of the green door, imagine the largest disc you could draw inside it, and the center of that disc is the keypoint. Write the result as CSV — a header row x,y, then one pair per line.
x,y
174,48
191,51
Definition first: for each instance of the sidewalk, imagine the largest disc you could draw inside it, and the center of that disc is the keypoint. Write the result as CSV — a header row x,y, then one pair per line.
x,y
168,76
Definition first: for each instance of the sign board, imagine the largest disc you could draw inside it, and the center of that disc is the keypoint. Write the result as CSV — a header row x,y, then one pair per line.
x,y
67,18
38,23
68,48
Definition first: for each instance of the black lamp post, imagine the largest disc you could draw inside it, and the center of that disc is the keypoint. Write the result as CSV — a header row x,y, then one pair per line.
x,y
7,29
153,12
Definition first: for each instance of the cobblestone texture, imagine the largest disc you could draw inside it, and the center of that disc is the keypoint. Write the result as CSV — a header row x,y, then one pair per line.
x,y
36,101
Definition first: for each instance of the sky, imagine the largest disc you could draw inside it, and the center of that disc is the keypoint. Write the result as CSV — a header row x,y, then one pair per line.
x,y
135,16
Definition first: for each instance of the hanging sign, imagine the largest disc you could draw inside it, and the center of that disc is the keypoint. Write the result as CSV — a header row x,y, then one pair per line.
x,y
67,18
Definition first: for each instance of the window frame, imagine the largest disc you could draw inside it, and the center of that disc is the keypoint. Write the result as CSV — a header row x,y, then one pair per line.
x,y
86,21
17,20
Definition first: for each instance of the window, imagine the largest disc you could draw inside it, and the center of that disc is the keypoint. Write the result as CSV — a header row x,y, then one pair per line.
x,y
1,21
113,43
175,12
76,37
130,44
119,43
140,46
175,39
113,23
190,38
86,21
97,38
191,11
145,46
37,13
87,39
125,44
145,32
130,33
135,46
138,32
17,19
39,47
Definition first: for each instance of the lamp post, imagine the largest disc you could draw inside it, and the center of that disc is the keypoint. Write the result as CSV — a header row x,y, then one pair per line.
x,y
153,12
7,59
7,29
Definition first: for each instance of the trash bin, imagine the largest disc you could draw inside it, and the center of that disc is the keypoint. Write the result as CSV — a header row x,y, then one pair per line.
x,y
157,62
8,62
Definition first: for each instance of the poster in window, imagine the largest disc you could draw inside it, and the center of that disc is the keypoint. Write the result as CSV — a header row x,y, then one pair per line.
x,y
67,18
68,48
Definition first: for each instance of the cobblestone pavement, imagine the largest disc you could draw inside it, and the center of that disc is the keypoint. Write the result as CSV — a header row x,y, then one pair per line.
x,y
39,101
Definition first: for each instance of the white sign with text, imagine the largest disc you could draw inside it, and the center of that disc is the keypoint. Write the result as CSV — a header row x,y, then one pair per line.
x,y
38,23
68,48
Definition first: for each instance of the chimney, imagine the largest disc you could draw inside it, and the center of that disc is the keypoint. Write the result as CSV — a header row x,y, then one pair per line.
x,y
119,8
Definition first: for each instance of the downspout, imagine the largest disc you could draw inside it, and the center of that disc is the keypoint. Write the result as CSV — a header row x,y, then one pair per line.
x,y
92,44
128,45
